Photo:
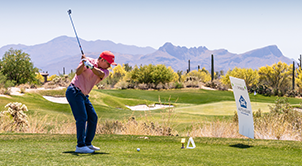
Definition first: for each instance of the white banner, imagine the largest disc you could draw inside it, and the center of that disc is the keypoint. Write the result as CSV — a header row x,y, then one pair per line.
x,y
244,108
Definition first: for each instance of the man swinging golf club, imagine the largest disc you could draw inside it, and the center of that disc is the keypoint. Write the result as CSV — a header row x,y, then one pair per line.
x,y
89,72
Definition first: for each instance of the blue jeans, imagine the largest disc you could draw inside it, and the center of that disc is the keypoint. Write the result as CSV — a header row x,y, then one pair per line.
x,y
83,112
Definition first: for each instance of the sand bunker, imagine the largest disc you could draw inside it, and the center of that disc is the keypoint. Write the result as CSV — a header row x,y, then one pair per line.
x,y
61,100
146,108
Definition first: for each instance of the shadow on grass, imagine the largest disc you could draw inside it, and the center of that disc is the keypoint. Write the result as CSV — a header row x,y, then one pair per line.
x,y
77,154
241,146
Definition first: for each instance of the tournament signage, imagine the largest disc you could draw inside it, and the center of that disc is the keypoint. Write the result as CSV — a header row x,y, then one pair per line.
x,y
244,109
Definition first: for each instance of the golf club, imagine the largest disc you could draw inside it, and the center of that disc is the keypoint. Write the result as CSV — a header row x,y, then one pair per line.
x,y
69,13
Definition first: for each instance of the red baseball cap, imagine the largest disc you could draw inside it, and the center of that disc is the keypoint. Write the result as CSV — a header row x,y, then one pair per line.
x,y
108,56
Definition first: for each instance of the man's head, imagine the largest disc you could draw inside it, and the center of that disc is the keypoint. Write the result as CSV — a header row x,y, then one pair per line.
x,y
106,59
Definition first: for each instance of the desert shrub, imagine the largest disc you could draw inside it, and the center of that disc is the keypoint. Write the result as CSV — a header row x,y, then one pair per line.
x,y
19,118
202,75
143,86
22,90
263,89
23,87
50,85
50,78
282,123
160,86
178,85
173,85
217,128
131,85
256,114
281,106
121,85
191,82
62,81
216,84
292,93
5,91
5,84
109,127
289,114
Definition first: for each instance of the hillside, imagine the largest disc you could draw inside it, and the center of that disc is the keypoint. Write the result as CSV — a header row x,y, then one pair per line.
x,y
63,51
61,48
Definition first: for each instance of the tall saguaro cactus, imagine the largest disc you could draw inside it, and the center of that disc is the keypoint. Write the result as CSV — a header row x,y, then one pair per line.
x,y
293,75
189,66
212,67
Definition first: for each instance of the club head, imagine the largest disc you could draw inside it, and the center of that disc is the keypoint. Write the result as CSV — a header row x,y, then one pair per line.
x,y
69,11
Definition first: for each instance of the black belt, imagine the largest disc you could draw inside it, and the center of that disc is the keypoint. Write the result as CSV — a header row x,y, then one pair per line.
x,y
76,88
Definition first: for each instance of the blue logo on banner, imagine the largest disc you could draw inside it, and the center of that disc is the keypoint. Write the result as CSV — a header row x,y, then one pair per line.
x,y
242,102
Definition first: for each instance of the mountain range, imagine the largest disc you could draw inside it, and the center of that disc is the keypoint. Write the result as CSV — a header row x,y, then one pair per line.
x,y
64,52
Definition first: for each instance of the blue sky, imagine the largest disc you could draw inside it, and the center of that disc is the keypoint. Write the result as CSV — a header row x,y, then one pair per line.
x,y
236,25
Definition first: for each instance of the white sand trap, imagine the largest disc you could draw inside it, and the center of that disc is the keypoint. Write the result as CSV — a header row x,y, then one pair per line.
x,y
146,108
61,100
15,91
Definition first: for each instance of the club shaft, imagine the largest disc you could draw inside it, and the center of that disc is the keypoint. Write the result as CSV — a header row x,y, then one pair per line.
x,y
76,35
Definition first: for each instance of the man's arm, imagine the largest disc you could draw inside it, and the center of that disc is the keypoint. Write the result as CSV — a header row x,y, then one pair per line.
x,y
87,64
80,69
98,72
83,56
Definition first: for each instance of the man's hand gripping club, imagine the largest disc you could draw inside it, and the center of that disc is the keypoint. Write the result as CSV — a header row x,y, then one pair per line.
x,y
88,65
86,62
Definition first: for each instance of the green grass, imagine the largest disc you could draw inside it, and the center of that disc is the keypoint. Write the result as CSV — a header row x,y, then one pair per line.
x,y
219,108
57,93
192,105
188,96
37,104
37,149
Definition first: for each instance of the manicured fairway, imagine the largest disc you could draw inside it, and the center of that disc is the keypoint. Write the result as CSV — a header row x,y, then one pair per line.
x,y
219,108
36,149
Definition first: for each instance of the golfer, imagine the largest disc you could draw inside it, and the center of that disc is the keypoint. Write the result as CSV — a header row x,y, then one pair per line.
x,y
89,72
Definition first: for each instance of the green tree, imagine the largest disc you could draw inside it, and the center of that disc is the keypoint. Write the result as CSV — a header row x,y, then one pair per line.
x,y
117,75
152,74
4,83
127,67
175,77
179,73
161,74
17,67
119,71
299,79
278,77
250,76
